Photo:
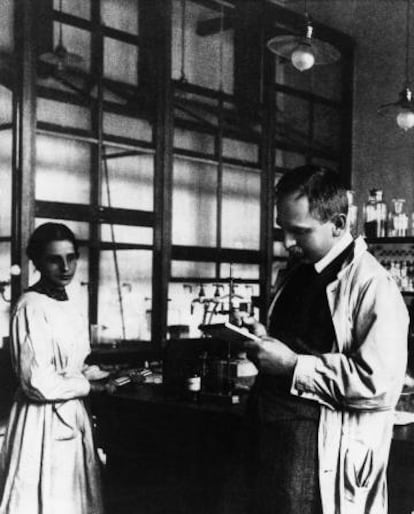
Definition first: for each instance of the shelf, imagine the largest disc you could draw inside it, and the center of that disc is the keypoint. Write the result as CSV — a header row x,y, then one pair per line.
x,y
390,240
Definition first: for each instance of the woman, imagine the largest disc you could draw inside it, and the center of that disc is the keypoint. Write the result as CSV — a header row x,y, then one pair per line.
x,y
48,464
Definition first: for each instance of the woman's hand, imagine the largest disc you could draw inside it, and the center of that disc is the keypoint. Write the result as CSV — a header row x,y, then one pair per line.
x,y
94,372
103,387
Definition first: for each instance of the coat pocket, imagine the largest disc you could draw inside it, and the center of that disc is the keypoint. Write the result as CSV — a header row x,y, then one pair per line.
x,y
358,472
65,421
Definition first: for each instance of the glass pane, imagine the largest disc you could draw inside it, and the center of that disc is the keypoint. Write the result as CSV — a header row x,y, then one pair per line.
x,y
66,115
279,249
75,40
325,162
328,82
191,304
130,182
240,150
6,105
194,203
6,26
5,182
127,234
79,8
321,80
292,119
5,290
62,170
239,271
134,289
195,141
193,269
241,209
202,63
121,15
284,159
127,127
120,61
327,128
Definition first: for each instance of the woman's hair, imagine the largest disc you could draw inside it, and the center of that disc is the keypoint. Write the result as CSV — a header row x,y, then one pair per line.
x,y
46,233
322,186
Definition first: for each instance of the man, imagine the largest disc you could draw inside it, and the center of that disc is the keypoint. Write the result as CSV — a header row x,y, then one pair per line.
x,y
331,369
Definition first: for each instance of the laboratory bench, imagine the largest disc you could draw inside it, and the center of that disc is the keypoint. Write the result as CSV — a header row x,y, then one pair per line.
x,y
167,453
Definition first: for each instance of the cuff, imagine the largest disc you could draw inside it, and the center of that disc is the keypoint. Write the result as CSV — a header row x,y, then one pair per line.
x,y
304,375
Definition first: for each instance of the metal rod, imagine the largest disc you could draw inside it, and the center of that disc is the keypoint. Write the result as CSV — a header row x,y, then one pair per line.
x,y
116,264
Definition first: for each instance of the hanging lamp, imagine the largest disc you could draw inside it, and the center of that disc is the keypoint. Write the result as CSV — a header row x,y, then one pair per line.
x,y
304,51
403,109
183,78
61,58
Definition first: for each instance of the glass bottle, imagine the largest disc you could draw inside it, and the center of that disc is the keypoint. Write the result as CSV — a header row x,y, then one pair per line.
x,y
398,219
370,216
352,212
381,213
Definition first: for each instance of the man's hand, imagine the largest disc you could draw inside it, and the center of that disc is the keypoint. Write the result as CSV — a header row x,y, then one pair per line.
x,y
272,356
254,326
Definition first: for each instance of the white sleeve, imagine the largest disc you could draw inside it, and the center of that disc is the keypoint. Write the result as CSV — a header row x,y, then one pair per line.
x,y
33,356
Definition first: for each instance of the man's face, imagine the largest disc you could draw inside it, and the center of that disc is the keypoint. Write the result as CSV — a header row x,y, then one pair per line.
x,y
57,264
305,236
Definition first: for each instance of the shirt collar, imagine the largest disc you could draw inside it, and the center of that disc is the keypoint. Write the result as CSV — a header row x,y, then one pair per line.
x,y
50,291
337,248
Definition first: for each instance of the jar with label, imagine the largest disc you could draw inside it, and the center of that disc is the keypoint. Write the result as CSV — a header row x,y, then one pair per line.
x,y
193,387
398,220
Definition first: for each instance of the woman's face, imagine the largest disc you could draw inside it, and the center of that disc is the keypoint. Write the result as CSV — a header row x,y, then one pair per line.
x,y
57,264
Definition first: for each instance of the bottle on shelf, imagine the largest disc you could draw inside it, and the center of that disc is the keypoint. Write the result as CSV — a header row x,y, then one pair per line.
x,y
398,219
193,386
370,216
352,212
381,213
375,215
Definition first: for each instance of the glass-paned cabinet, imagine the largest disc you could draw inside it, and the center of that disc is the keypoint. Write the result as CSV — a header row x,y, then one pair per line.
x,y
160,148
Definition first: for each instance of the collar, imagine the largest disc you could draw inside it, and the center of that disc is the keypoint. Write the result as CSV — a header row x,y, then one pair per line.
x,y
52,292
337,248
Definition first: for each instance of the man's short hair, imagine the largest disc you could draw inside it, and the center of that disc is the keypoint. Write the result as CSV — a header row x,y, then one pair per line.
x,y
322,186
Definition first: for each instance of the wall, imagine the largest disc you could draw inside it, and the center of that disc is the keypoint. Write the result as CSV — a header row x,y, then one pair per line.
x,y
383,154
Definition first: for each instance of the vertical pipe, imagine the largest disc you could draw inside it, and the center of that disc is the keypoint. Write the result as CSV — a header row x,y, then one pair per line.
x,y
267,160
23,149
96,161
161,12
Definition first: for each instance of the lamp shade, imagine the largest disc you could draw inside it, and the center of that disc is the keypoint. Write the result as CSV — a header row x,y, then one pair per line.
x,y
304,50
61,58
401,110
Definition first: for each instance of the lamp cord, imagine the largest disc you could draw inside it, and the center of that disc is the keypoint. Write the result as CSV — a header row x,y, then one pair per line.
x,y
407,55
183,40
60,25
221,53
